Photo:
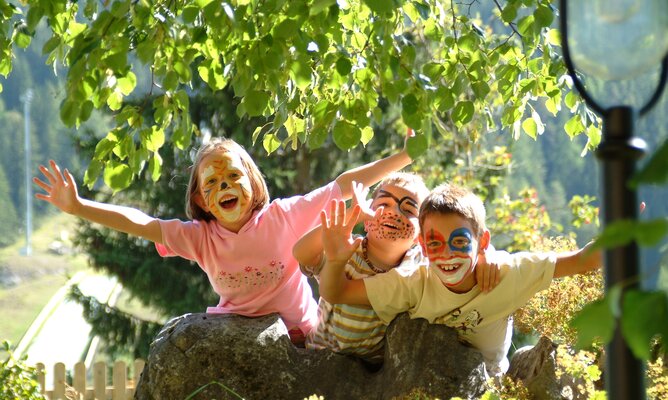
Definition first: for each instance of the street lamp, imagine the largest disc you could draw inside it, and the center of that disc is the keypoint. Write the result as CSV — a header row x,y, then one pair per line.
x,y
26,98
614,40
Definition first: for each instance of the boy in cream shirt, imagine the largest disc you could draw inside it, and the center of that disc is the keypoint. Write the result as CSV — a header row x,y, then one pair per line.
x,y
453,235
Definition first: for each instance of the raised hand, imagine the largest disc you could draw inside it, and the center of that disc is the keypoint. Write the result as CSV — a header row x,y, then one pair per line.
x,y
359,199
60,188
337,239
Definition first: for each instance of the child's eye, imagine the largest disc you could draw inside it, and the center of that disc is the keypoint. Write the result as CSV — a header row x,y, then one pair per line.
x,y
460,243
210,181
434,244
234,175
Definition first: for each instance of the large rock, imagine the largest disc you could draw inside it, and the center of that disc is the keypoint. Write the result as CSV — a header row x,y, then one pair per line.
x,y
229,356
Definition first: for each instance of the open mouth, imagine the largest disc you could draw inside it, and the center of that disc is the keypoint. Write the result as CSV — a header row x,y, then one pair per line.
x,y
228,202
390,226
449,267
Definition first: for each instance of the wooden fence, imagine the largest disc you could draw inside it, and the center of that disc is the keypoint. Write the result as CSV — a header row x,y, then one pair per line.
x,y
121,388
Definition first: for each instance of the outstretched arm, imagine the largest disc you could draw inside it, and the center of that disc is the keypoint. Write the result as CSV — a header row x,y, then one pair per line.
x,y
578,261
339,246
61,191
372,173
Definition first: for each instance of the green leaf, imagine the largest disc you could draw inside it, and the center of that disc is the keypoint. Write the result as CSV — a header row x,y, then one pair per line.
x,y
463,112
543,16
301,73
409,104
256,102
343,66
92,172
655,171
270,143
380,6
644,315
152,138
645,233
596,320
155,166
346,135
367,135
319,6
417,145
553,37
529,127
509,12
574,126
127,84
189,14
117,176
69,111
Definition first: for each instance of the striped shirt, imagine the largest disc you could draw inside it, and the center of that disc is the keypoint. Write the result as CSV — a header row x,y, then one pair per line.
x,y
353,329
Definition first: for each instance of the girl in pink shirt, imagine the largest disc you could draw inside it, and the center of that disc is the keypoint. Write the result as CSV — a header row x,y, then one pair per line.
x,y
237,236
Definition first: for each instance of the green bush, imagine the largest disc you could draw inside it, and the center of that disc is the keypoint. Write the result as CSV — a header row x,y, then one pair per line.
x,y
18,380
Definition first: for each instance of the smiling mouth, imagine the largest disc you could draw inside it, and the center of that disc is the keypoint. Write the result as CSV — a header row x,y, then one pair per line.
x,y
390,226
449,267
228,202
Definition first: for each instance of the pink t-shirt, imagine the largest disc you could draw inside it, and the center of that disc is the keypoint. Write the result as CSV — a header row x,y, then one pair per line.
x,y
253,270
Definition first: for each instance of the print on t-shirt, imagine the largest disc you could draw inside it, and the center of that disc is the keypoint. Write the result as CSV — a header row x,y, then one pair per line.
x,y
464,323
252,277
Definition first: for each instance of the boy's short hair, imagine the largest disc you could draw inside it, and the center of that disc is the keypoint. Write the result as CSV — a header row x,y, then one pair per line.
x,y
452,199
406,180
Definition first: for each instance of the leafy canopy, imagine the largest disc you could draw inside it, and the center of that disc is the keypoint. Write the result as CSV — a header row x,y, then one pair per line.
x,y
311,69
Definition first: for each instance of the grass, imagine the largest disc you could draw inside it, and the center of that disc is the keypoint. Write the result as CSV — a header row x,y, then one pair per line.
x,y
37,277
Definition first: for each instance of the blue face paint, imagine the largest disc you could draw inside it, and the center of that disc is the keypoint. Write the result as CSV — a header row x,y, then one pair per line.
x,y
460,240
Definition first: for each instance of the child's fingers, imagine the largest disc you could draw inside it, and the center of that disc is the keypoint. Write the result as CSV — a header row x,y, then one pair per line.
x,y
41,184
354,215
47,174
324,221
410,132
56,169
69,178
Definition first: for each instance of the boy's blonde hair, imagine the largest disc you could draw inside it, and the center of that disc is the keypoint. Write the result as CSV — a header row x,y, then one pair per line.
x,y
452,199
258,185
406,180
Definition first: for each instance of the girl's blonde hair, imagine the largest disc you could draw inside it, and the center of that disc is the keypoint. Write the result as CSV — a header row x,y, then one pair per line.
x,y
223,145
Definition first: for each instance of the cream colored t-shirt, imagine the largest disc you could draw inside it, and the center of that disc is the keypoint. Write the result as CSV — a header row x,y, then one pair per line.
x,y
482,319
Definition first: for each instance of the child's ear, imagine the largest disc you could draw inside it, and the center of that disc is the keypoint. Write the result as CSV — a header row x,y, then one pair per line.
x,y
484,241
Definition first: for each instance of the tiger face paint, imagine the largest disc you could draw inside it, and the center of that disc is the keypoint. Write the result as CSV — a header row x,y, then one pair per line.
x,y
399,218
225,187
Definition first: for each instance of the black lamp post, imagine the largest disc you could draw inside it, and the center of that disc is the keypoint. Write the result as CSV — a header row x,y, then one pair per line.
x,y
605,27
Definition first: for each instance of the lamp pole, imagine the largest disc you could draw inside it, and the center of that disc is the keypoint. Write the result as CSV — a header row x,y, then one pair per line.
x,y
618,151
26,98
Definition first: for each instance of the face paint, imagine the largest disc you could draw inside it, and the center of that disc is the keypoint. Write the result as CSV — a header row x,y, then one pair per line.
x,y
455,264
225,187
407,205
399,218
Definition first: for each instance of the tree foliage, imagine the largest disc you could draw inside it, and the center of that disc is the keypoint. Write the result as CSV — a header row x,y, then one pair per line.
x,y
310,69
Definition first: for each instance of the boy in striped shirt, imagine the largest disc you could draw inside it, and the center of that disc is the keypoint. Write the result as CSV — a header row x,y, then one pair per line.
x,y
391,226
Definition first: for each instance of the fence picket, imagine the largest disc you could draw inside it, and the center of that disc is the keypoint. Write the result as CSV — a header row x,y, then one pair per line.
x,y
121,387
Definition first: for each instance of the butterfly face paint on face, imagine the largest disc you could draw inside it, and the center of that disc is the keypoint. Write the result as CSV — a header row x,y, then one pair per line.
x,y
225,187
399,218
453,260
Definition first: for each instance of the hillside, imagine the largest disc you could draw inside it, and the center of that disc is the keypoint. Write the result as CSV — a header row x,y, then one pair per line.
x,y
27,283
